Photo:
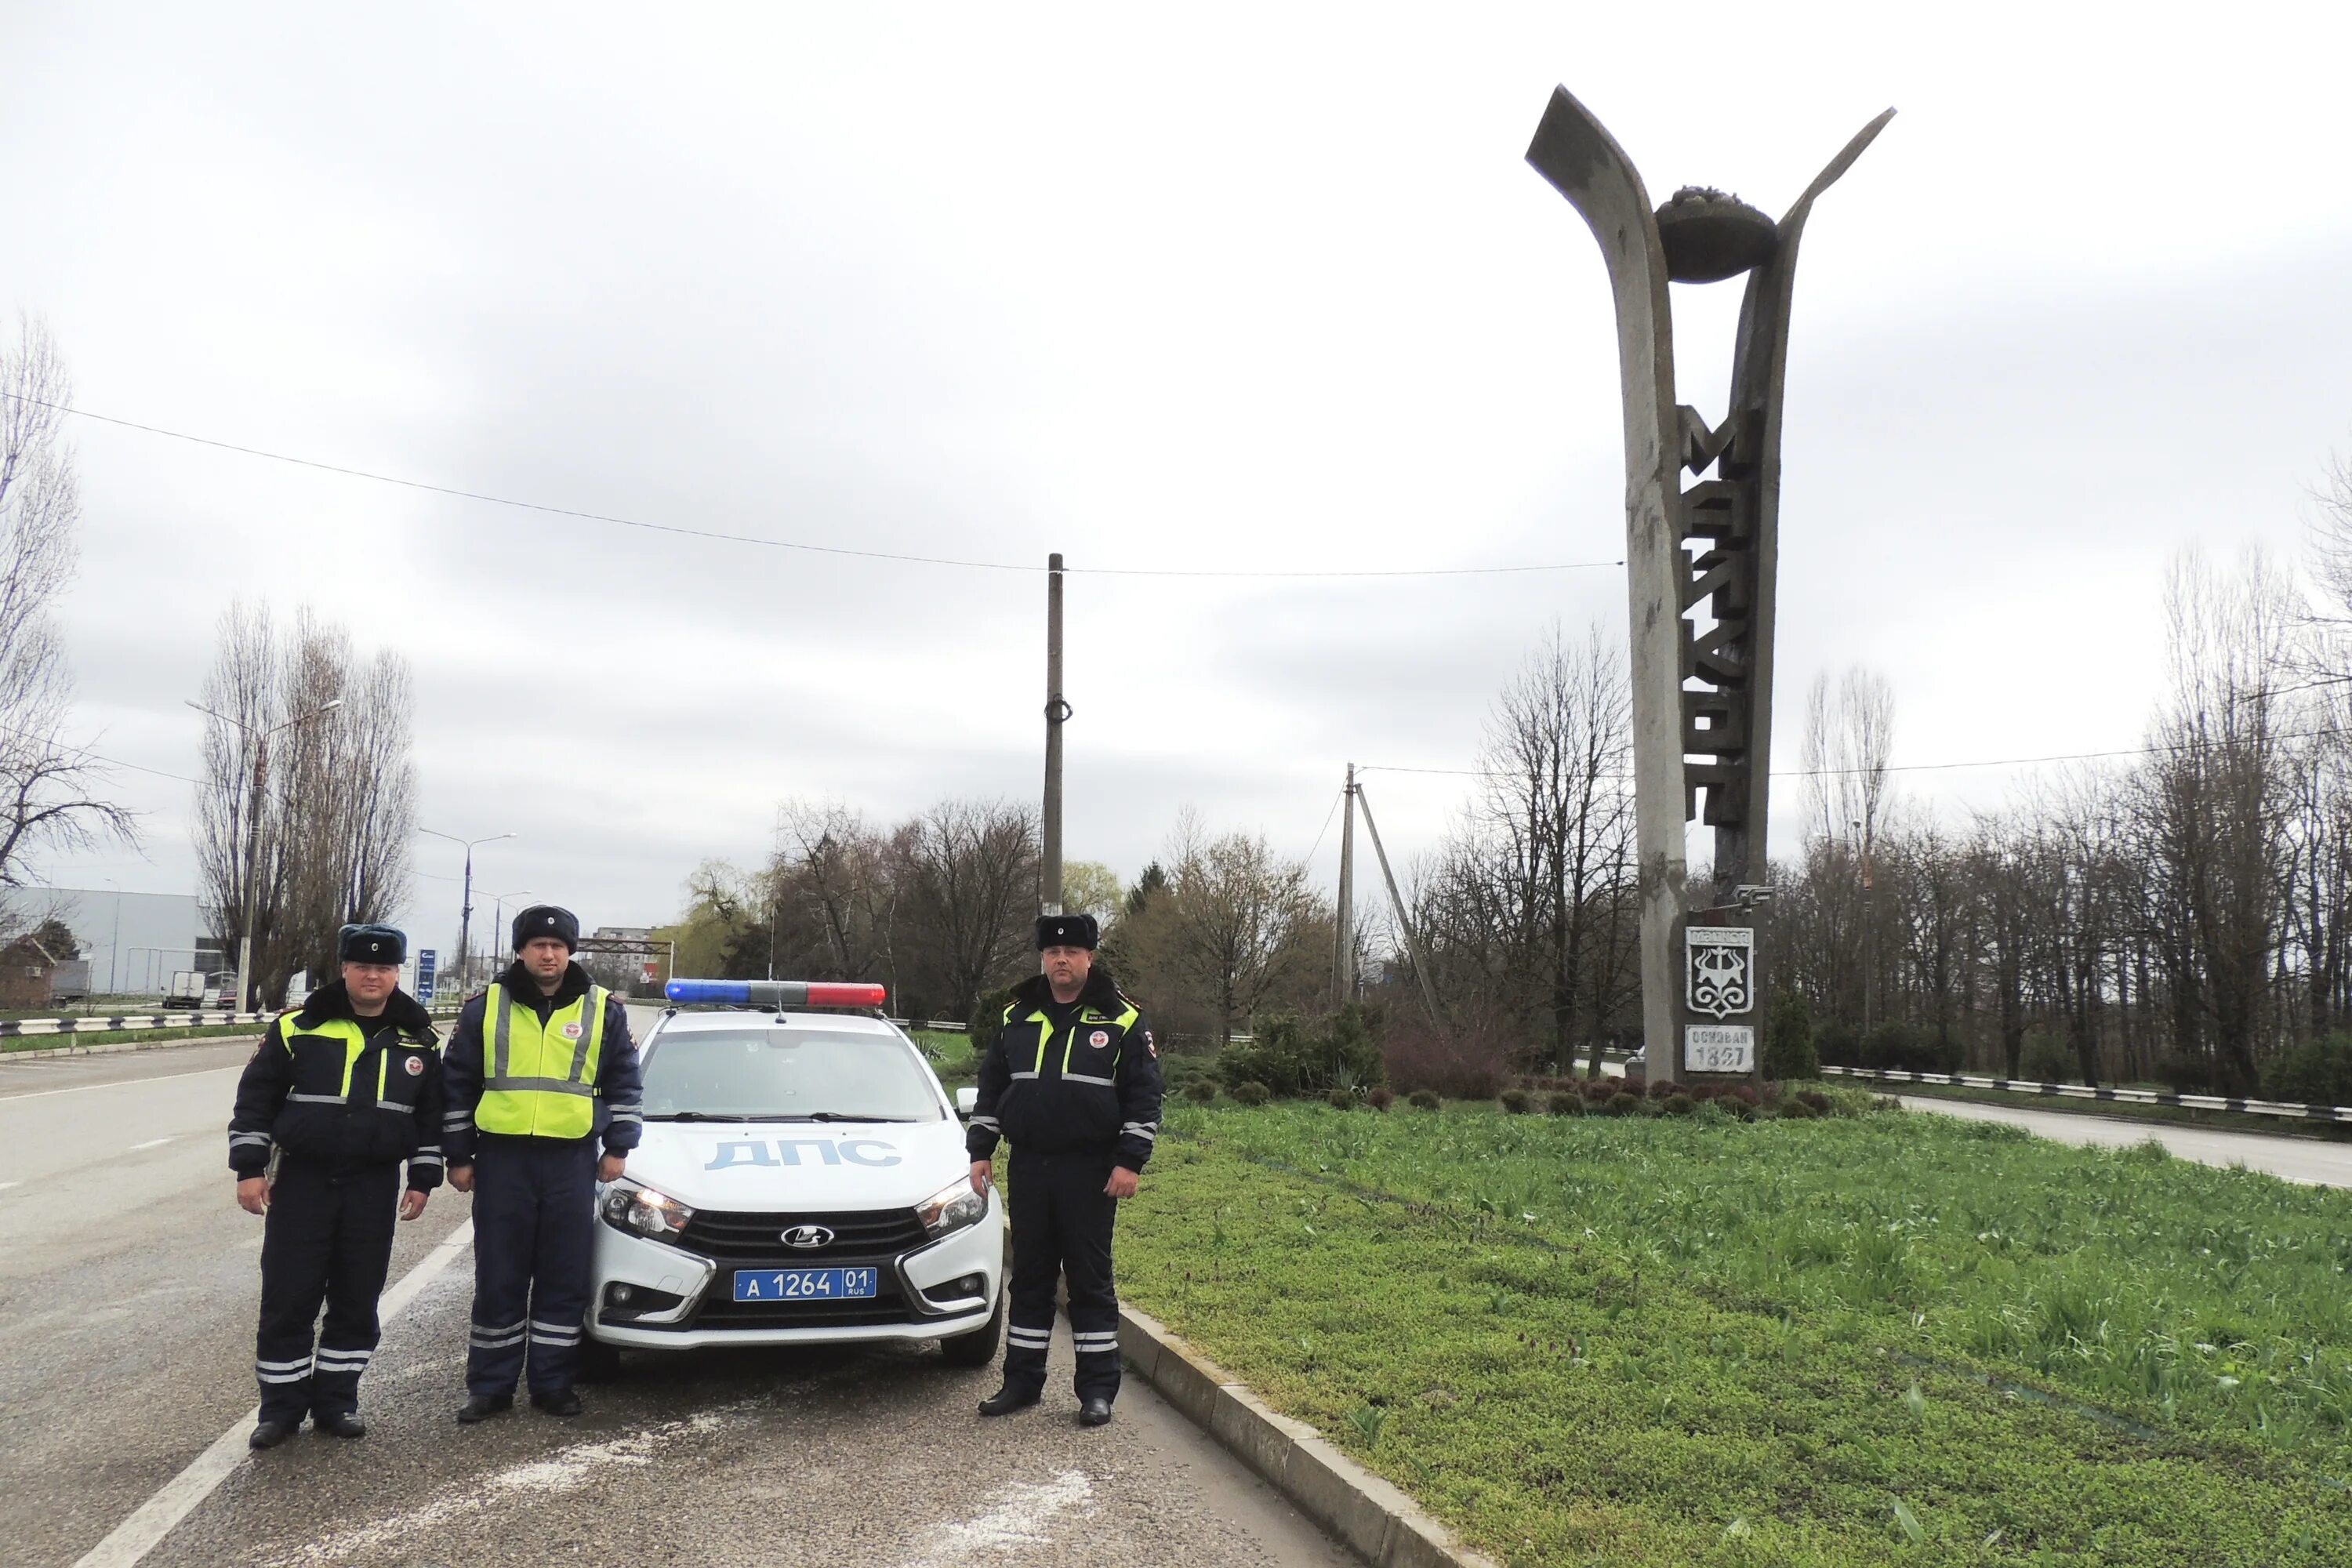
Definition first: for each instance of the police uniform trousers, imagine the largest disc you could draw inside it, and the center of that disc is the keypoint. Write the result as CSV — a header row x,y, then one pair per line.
x,y
327,1238
534,1224
1062,1222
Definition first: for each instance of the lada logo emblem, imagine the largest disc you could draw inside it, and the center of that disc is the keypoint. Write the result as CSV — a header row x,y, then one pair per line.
x,y
807,1236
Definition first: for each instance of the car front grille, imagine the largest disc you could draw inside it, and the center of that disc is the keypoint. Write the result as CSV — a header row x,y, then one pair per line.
x,y
756,1241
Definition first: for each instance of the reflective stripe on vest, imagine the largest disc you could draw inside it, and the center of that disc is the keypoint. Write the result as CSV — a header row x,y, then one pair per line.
x,y
354,1043
541,1081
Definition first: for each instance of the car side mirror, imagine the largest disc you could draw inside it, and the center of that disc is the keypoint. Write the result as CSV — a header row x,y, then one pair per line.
x,y
967,1101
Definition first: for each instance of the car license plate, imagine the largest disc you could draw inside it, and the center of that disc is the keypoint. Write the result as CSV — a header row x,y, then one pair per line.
x,y
804,1284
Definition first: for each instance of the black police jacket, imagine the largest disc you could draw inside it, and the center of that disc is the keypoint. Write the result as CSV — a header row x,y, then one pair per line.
x,y
335,1089
1089,1085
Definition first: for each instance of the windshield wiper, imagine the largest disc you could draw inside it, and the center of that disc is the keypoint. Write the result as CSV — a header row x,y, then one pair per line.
x,y
696,1115
839,1116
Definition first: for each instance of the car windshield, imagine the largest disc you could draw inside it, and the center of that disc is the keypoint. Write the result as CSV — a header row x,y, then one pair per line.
x,y
771,1074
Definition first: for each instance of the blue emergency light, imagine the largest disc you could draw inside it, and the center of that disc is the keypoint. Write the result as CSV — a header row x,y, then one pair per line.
x,y
773,993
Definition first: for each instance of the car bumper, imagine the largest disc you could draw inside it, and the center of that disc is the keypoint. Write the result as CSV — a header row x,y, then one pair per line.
x,y
698,1282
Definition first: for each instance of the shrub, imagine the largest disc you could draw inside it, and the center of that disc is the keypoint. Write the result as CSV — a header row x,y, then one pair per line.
x,y
1837,1044
1460,1064
2316,1072
1291,1057
1565,1104
1252,1093
1426,1100
1518,1101
1744,1093
2046,1060
1679,1105
1623,1104
1796,1110
1201,1090
2184,1074
1789,1051
1597,1090
1382,1098
1665,1087
1814,1100
987,1017
1341,1099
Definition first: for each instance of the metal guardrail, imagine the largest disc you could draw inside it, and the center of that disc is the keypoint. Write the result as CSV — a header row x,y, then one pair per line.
x,y
134,1023
2279,1108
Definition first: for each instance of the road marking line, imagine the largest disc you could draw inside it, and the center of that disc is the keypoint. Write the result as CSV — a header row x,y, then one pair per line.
x,y
137,1535
1022,1520
5,1185
153,1143
118,1083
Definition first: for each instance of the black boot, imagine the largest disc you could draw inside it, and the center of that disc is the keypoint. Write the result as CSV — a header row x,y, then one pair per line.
x,y
1095,1412
343,1424
1008,1399
269,1433
482,1406
563,1402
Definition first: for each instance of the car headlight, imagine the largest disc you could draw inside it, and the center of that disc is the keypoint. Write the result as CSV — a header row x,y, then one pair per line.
x,y
641,1211
951,1208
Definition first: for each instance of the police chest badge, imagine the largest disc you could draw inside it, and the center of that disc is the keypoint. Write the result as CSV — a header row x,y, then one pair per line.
x,y
570,1031
415,1066
1099,1039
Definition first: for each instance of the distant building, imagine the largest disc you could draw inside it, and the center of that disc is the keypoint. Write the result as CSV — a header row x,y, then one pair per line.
x,y
132,942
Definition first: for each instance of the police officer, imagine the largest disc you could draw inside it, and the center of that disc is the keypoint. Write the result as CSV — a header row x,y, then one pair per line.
x,y
540,1066
343,1091
1073,1080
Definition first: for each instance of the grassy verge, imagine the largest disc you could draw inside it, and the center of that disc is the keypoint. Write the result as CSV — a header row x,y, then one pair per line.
x,y
23,1043
1885,1339
2152,1115
951,1053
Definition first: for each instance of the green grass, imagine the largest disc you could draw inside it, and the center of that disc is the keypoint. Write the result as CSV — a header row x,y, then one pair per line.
x,y
2155,1115
1883,1339
951,1053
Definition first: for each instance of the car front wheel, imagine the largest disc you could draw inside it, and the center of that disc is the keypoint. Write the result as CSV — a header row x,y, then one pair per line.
x,y
978,1348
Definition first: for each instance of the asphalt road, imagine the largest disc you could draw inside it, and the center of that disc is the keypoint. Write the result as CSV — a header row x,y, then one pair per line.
x,y
128,1287
2305,1160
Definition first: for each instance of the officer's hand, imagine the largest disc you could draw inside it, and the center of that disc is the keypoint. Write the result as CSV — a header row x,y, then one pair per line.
x,y
980,1169
461,1177
411,1203
253,1193
1121,1184
609,1168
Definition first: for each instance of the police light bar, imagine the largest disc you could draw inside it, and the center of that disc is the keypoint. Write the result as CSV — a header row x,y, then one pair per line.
x,y
773,993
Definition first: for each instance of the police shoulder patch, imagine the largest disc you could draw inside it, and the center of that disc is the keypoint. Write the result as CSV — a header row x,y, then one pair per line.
x,y
415,1066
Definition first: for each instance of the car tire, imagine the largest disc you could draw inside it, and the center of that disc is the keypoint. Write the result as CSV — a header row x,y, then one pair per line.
x,y
599,1363
977,1348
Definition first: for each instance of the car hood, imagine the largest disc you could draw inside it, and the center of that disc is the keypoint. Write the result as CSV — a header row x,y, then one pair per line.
x,y
786,1166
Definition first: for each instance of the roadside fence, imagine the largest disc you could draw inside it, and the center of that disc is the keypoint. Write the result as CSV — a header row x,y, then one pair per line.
x,y
133,1023
2118,1096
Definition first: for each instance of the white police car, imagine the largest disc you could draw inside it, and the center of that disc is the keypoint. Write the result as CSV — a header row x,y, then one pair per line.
x,y
803,1180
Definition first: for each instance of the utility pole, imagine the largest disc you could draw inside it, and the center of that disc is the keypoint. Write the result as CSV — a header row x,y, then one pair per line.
x,y
1869,939
1404,924
465,901
1343,972
1057,712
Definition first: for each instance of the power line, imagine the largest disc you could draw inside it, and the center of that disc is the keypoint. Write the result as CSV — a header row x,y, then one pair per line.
x,y
683,531
84,751
1326,824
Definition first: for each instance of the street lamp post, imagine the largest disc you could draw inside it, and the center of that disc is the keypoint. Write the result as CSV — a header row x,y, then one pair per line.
x,y
498,909
260,738
466,903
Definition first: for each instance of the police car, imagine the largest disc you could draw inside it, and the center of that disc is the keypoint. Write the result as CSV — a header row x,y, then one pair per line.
x,y
802,1180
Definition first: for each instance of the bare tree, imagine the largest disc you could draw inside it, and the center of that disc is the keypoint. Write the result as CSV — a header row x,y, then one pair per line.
x,y
330,840
1237,926
51,794
968,877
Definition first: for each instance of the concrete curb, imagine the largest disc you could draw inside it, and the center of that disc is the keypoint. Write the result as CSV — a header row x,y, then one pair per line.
x,y
1373,1518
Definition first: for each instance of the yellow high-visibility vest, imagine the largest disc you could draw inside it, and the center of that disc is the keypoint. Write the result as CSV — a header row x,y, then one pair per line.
x,y
540,1079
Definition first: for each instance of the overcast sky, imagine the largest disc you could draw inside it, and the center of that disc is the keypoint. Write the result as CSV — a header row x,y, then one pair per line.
x,y
1246,288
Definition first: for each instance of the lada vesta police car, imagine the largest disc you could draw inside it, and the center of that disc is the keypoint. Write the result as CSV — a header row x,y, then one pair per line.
x,y
803,1180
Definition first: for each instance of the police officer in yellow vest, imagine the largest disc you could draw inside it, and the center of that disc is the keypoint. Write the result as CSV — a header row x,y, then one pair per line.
x,y
540,1072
